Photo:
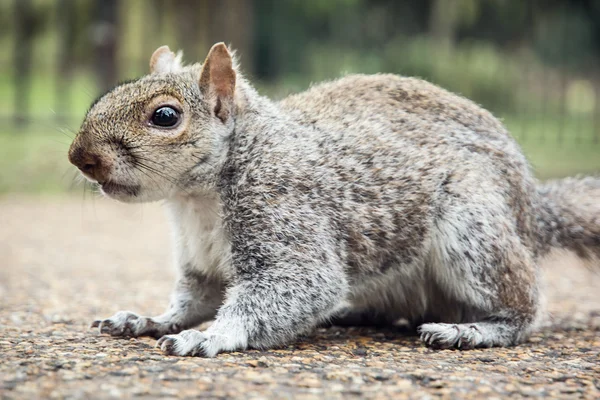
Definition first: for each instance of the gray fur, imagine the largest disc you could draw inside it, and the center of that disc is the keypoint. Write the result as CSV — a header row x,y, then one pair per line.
x,y
378,194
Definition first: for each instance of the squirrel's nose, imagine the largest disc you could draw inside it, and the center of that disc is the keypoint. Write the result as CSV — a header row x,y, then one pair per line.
x,y
88,163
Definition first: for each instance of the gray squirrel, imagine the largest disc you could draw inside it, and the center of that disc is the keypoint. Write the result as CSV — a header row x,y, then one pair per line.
x,y
377,194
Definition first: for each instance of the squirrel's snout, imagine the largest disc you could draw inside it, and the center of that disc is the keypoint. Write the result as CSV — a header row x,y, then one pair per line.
x,y
90,164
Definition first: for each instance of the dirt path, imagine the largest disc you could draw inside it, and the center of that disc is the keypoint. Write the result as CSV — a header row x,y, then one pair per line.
x,y
64,262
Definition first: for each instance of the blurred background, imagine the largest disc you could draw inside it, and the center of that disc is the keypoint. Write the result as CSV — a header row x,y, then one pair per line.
x,y
534,63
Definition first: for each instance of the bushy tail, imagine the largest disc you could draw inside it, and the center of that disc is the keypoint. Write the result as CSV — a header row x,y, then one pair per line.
x,y
569,217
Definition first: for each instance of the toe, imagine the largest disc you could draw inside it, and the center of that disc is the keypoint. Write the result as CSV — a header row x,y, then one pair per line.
x,y
107,327
187,343
160,341
167,345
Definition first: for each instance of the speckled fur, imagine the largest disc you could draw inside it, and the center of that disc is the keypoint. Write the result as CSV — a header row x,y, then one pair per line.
x,y
377,194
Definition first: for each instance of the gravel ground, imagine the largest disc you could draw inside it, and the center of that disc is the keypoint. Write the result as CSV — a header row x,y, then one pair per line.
x,y
65,262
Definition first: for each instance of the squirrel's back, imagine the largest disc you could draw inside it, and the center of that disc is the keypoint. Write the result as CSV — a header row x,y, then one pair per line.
x,y
446,140
389,99
449,129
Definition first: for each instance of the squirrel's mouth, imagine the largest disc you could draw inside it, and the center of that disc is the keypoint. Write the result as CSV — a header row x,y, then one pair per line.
x,y
117,189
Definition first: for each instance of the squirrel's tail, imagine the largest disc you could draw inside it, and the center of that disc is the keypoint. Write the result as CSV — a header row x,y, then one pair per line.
x,y
569,216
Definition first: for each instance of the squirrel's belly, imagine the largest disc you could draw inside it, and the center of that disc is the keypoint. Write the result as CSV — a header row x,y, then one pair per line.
x,y
408,292
401,292
200,240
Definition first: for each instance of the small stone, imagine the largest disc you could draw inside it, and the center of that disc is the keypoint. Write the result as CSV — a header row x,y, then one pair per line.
x,y
257,363
361,352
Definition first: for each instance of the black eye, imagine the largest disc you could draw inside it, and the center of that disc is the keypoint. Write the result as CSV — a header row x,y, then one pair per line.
x,y
165,117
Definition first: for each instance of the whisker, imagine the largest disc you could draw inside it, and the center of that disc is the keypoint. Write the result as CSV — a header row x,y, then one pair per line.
x,y
149,175
161,174
158,173
202,160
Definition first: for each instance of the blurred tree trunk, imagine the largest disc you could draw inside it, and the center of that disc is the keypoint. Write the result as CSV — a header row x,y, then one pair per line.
x,y
66,22
104,41
153,31
202,23
24,31
192,17
443,22
232,22
596,134
266,63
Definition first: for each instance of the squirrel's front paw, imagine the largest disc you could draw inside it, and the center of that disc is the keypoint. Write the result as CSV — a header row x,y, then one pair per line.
x,y
187,343
199,344
128,324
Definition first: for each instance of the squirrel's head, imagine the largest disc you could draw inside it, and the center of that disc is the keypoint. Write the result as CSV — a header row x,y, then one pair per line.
x,y
161,134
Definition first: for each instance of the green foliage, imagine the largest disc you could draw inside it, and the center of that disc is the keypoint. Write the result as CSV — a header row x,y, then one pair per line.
x,y
532,62
322,8
575,49
476,70
34,161
557,146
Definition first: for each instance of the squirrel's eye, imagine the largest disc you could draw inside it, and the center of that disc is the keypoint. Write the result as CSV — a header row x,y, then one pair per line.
x,y
165,117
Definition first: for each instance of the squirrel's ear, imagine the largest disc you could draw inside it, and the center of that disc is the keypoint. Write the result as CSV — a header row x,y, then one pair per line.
x,y
164,60
217,80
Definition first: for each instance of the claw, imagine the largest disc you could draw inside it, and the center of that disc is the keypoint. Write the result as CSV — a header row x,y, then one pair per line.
x,y
127,324
167,345
128,329
106,326
427,337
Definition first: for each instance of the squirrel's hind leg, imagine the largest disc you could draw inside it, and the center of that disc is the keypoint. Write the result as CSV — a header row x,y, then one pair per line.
x,y
480,262
471,335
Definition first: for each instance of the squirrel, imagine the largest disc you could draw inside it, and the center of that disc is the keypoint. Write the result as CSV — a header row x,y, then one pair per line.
x,y
377,194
